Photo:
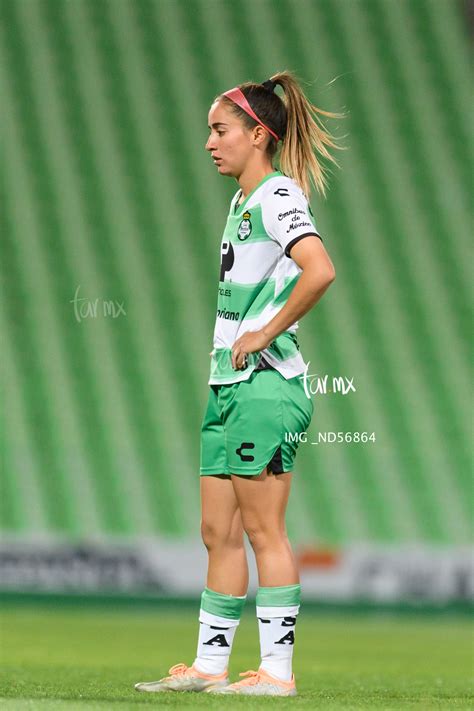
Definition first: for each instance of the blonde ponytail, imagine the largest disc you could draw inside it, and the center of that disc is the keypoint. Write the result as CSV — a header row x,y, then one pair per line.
x,y
297,122
306,137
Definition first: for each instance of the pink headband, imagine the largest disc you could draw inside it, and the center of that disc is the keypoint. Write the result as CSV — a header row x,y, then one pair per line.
x,y
237,96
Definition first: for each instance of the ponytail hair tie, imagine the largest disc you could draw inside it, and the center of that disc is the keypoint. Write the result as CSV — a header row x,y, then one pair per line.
x,y
269,85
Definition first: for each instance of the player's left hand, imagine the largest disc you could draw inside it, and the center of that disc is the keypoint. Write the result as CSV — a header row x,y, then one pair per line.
x,y
248,342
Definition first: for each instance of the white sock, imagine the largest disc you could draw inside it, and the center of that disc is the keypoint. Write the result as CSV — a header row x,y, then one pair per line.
x,y
216,635
276,626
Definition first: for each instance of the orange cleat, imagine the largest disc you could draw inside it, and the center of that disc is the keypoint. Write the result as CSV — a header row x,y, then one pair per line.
x,y
258,683
183,678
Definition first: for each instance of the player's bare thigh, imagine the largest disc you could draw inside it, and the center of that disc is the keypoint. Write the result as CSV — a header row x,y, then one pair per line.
x,y
263,499
221,522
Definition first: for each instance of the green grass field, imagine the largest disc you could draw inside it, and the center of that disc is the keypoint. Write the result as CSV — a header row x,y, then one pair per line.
x,y
90,659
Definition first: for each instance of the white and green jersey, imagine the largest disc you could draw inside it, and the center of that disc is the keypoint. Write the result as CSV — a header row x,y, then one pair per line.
x,y
257,275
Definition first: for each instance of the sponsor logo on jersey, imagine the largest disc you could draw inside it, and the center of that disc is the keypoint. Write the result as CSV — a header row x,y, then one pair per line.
x,y
245,227
228,315
296,219
288,213
282,192
227,259
297,225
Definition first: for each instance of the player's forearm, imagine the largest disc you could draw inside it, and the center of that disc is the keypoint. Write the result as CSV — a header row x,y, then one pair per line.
x,y
307,292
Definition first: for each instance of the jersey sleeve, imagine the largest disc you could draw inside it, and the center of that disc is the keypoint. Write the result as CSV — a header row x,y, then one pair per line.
x,y
287,216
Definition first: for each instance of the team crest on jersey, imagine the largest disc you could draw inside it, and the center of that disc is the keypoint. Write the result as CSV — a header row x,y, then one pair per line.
x,y
245,227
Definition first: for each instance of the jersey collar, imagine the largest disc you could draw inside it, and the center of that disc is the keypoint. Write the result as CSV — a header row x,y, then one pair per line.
x,y
239,208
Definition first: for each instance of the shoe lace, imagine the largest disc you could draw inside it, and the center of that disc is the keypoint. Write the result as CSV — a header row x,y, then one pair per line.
x,y
253,678
178,670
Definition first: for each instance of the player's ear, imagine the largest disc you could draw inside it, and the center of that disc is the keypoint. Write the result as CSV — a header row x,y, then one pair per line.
x,y
259,135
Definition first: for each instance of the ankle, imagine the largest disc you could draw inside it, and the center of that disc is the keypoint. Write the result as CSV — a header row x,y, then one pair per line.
x,y
215,666
279,668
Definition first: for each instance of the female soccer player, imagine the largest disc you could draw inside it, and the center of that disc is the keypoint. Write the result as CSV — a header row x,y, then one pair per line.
x,y
273,269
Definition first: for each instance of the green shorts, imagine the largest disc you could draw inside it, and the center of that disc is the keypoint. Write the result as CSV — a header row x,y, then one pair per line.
x,y
244,427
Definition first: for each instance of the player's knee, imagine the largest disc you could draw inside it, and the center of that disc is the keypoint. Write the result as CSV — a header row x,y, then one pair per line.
x,y
209,534
264,535
217,535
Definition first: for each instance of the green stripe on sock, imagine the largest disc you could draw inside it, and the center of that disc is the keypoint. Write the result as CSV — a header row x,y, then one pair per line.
x,y
282,596
222,605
